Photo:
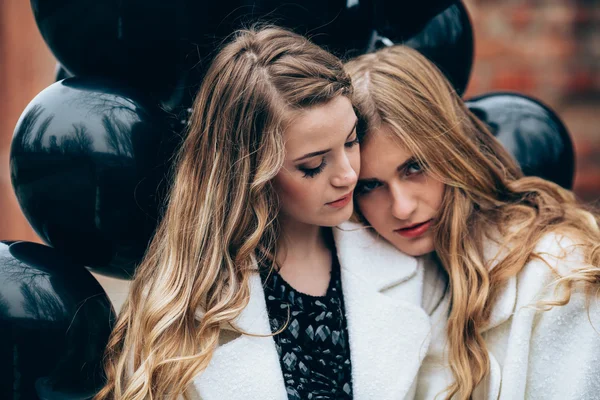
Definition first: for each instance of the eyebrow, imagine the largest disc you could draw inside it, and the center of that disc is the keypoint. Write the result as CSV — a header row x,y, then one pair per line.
x,y
320,152
399,168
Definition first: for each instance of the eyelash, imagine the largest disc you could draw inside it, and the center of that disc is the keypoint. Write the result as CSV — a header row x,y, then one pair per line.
x,y
416,165
312,172
352,143
361,187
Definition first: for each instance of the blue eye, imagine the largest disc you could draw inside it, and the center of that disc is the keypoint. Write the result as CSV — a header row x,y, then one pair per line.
x,y
366,187
312,172
414,168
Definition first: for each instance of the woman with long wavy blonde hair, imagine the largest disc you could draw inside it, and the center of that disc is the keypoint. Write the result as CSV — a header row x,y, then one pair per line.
x,y
518,256
240,293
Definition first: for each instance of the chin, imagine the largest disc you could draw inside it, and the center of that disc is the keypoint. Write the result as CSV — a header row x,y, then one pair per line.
x,y
338,219
416,249
417,253
345,217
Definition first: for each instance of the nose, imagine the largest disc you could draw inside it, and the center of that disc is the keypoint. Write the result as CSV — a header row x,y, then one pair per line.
x,y
404,202
345,175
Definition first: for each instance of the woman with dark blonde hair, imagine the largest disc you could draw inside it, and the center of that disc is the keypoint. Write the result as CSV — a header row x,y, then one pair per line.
x,y
518,257
241,295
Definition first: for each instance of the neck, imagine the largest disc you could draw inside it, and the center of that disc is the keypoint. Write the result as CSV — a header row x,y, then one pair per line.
x,y
300,241
304,256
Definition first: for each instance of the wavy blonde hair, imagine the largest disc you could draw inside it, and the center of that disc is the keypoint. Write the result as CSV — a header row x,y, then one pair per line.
x,y
221,212
400,88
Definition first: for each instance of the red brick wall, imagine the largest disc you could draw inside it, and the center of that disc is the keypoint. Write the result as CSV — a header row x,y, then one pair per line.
x,y
26,67
551,50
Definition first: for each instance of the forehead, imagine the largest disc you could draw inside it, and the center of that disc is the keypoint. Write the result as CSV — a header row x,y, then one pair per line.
x,y
381,153
319,127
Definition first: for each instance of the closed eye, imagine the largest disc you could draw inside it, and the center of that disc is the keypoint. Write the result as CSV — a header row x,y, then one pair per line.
x,y
312,172
352,143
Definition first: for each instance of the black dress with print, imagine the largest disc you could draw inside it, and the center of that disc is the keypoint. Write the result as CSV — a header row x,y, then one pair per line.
x,y
313,348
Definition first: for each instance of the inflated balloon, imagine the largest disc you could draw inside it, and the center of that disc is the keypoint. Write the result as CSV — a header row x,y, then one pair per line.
x,y
55,320
342,26
532,133
163,46
88,165
404,18
446,39
131,40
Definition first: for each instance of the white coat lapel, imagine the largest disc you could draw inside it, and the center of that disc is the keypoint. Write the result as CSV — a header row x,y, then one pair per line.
x,y
504,306
246,368
370,256
388,338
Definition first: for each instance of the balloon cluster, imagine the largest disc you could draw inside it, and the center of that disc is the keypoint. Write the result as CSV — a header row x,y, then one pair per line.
x,y
91,154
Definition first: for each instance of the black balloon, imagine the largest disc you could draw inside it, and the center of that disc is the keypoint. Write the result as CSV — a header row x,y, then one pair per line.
x,y
133,41
164,46
405,18
342,26
89,166
533,133
55,320
446,39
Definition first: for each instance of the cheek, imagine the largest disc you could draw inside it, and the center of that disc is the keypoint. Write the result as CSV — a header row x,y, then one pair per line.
x,y
292,190
354,158
371,209
436,194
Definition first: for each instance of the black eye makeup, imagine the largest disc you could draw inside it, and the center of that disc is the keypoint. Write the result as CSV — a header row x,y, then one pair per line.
x,y
413,167
353,142
312,172
409,168
365,187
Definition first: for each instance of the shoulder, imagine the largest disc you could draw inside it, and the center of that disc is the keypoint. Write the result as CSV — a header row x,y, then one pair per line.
x,y
555,256
562,253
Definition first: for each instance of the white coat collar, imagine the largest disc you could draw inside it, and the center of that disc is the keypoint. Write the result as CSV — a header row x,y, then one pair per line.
x,y
388,339
368,255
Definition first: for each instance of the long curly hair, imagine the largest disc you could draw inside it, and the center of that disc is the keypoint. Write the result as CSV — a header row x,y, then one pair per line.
x,y
221,214
484,188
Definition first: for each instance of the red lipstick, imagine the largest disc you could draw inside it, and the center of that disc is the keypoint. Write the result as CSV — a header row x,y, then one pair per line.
x,y
341,202
414,231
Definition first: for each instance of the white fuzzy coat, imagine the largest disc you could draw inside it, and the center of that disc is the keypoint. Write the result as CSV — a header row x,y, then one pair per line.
x,y
549,355
398,349
388,331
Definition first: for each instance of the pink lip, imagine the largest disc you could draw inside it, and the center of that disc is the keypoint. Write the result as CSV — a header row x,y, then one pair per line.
x,y
341,202
415,230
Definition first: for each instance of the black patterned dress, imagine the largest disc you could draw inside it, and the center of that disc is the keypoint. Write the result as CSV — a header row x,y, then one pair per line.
x,y
313,348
